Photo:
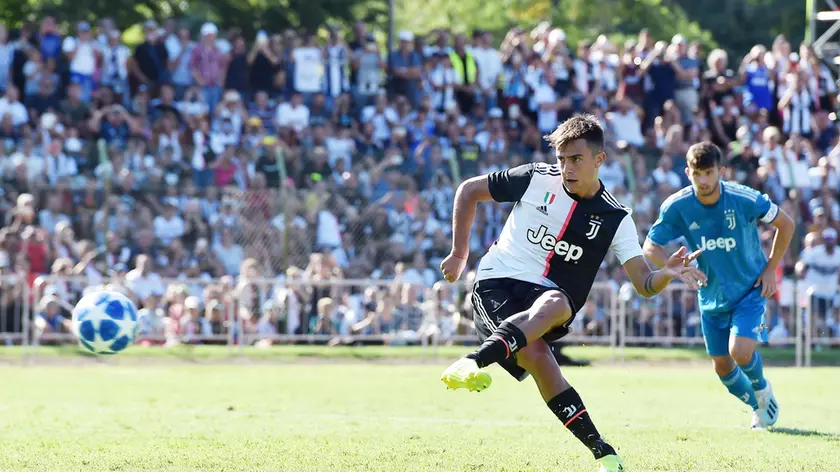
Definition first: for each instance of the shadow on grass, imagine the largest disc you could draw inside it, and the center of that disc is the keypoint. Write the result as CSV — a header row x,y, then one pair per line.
x,y
806,433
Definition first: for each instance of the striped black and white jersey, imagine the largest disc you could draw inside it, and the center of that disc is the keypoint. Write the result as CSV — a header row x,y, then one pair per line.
x,y
553,238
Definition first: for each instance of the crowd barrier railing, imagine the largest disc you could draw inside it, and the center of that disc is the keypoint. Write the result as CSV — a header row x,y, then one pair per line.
x,y
14,305
416,314
371,311
69,289
690,333
816,321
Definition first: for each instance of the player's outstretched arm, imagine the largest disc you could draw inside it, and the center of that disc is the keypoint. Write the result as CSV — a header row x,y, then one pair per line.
x,y
648,283
469,193
655,253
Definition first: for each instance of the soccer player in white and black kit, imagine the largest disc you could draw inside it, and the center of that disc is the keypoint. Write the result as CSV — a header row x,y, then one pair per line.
x,y
539,272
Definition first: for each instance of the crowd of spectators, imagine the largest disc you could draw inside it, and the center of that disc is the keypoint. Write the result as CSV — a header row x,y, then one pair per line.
x,y
207,155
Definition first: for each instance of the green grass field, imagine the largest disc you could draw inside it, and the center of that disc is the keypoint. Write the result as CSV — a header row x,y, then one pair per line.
x,y
340,414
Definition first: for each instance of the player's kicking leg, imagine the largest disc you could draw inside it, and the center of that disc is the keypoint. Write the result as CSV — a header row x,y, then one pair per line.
x,y
520,335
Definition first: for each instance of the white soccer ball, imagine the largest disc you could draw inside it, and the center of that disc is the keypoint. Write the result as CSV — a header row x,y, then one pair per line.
x,y
105,322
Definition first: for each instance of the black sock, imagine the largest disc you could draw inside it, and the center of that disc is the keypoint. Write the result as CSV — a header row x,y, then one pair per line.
x,y
568,407
501,345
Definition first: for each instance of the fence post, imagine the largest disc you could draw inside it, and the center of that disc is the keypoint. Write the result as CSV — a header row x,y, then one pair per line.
x,y
625,295
614,321
798,331
36,298
809,329
229,315
24,315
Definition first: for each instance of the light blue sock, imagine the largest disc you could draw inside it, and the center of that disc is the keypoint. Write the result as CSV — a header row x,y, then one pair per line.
x,y
739,385
755,371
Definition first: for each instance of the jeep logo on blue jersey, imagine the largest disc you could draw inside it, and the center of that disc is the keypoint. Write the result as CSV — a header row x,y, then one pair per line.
x,y
720,243
569,252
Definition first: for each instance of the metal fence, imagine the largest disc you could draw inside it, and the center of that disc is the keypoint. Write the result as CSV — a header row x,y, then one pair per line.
x,y
14,304
265,311
207,323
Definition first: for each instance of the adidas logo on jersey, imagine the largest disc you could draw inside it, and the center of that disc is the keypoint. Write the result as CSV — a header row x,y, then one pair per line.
x,y
694,226
540,237
543,210
727,244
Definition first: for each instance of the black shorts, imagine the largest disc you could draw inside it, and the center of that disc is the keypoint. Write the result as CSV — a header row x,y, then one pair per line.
x,y
495,300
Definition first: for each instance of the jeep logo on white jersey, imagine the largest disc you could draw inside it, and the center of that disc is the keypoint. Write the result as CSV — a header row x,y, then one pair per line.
x,y
569,252
727,244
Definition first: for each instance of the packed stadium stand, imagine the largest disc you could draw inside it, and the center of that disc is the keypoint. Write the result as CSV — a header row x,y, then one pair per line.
x,y
195,166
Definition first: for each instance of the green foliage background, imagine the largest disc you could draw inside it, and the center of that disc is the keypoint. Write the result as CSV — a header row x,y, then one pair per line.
x,y
732,24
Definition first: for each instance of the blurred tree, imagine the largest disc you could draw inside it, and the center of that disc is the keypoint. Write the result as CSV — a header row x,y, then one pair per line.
x,y
734,24
740,24
579,18
249,15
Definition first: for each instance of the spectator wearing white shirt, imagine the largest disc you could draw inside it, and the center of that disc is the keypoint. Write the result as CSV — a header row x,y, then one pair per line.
x,y
32,161
58,165
169,225
7,54
309,69
547,103
328,232
115,57
367,66
442,80
51,216
489,62
626,123
611,174
10,105
664,174
229,253
583,68
824,175
179,48
341,148
293,114
142,280
381,116
819,267
84,55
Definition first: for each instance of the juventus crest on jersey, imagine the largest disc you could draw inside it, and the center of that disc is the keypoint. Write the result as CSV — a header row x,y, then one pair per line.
x,y
552,237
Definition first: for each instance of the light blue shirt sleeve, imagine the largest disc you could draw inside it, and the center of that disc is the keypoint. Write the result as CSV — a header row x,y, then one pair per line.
x,y
665,229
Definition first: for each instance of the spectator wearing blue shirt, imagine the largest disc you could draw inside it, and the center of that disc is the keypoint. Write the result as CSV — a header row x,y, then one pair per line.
x,y
687,70
660,70
50,319
117,126
405,69
50,42
756,77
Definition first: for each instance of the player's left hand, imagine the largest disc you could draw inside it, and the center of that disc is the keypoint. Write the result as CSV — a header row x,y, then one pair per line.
x,y
767,280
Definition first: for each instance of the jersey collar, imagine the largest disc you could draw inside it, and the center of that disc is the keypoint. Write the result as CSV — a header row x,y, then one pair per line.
x,y
720,199
581,199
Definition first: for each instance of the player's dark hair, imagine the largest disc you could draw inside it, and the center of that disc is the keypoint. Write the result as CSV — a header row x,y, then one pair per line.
x,y
585,127
704,155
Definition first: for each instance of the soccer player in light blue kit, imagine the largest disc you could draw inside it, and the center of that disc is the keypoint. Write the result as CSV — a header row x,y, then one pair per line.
x,y
721,218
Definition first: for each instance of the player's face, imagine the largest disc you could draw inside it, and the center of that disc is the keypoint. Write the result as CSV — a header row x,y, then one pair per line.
x,y
579,165
705,181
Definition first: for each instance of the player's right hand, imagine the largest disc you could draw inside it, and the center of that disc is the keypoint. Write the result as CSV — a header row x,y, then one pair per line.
x,y
452,267
678,266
